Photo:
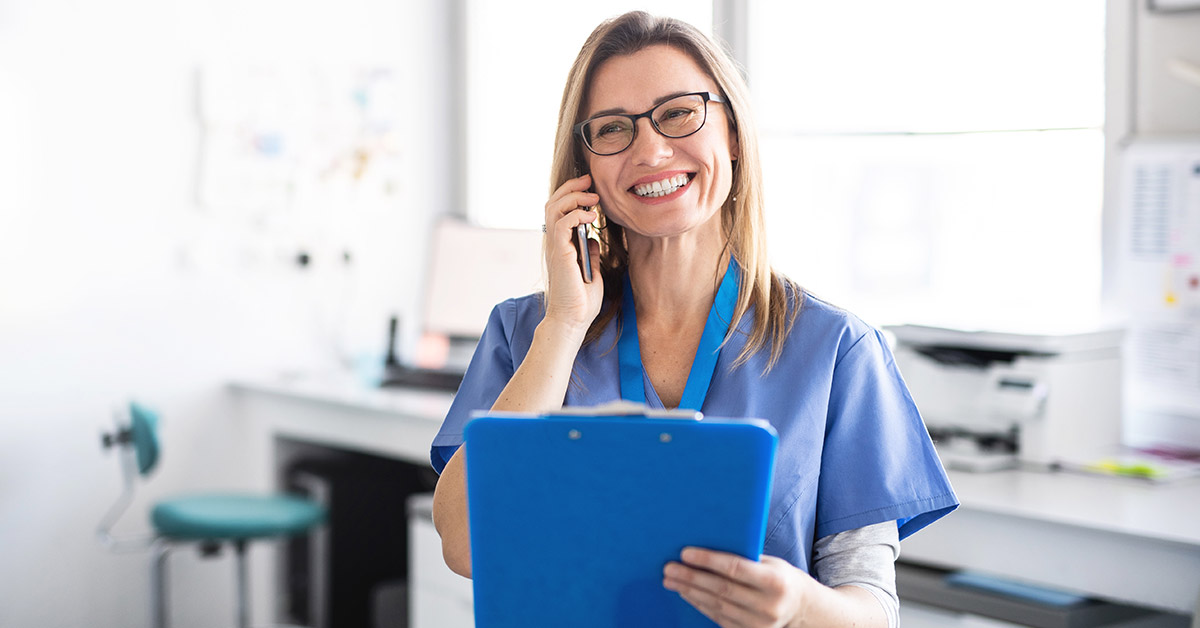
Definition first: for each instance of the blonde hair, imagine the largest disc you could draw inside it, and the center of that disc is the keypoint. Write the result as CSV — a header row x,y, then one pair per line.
x,y
776,300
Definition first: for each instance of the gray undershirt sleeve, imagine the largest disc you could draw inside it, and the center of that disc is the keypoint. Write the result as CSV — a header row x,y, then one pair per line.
x,y
864,557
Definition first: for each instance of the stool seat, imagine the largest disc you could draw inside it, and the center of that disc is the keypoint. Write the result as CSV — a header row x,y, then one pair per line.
x,y
232,516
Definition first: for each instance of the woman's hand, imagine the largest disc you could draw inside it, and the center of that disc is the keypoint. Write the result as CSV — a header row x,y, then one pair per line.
x,y
569,300
740,593
540,383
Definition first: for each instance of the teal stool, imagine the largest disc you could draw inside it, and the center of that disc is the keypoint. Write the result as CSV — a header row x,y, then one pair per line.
x,y
209,519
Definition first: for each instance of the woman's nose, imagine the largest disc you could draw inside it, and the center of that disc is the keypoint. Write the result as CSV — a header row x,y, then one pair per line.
x,y
649,146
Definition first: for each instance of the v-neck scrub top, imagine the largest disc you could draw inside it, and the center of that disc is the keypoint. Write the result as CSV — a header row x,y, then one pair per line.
x,y
853,450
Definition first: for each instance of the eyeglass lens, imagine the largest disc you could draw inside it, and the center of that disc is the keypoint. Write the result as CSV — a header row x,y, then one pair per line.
x,y
678,117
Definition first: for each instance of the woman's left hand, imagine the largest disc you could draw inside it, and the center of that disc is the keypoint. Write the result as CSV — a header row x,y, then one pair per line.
x,y
739,593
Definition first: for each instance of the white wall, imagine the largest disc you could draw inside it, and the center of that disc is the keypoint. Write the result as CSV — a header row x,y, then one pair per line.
x,y
115,284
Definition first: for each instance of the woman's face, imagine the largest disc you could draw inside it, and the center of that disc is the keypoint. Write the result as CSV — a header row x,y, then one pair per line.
x,y
638,82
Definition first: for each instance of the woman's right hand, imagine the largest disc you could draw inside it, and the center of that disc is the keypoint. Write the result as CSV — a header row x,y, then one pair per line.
x,y
570,301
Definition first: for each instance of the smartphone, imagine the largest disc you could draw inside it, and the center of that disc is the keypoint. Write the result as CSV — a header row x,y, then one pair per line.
x,y
585,255
581,243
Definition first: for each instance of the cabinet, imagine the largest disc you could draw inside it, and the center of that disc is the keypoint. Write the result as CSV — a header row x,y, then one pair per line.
x,y
438,597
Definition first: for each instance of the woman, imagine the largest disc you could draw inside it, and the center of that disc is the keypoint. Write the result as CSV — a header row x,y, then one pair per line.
x,y
656,142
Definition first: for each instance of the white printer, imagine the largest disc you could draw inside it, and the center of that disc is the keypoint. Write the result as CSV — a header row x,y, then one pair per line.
x,y
995,400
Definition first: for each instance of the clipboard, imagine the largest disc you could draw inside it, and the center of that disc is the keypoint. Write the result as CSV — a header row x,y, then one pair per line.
x,y
574,516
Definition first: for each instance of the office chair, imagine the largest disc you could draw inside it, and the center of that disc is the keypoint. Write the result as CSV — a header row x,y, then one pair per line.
x,y
211,520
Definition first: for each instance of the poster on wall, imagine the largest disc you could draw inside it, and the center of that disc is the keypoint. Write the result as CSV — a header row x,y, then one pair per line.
x,y
281,137
1159,286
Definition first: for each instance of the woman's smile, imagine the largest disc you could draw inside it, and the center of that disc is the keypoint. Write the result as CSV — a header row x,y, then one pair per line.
x,y
662,187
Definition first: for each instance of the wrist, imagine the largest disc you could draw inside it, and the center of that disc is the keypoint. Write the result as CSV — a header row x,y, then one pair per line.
x,y
800,618
556,329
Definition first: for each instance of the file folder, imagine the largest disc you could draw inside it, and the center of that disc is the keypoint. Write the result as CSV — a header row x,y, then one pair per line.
x,y
574,516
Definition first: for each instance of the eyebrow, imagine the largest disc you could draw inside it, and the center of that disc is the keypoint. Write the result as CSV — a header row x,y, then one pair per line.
x,y
618,110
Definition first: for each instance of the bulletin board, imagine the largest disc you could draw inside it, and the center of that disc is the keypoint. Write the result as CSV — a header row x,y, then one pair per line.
x,y
1158,285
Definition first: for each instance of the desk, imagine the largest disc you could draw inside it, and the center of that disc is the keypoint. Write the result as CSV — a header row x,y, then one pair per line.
x,y
339,411
1112,538
294,419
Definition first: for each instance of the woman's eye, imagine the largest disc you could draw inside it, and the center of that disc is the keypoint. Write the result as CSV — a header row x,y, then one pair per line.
x,y
609,129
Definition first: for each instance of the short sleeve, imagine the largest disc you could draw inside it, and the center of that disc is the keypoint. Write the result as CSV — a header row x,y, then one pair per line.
x,y
878,462
491,367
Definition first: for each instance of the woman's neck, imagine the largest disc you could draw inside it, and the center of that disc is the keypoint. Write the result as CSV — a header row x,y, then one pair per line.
x,y
675,279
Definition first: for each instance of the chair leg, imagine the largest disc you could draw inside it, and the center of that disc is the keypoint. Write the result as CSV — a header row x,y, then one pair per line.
x,y
243,603
158,582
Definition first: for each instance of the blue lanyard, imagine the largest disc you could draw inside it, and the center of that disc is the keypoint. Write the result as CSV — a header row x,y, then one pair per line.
x,y
629,353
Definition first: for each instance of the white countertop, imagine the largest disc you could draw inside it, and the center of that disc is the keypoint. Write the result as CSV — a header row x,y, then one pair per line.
x,y
339,410
341,388
1168,512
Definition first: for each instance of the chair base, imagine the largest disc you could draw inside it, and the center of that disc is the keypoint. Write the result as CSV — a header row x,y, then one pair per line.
x,y
160,618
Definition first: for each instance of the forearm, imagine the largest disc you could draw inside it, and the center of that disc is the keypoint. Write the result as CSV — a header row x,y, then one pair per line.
x,y
539,385
847,605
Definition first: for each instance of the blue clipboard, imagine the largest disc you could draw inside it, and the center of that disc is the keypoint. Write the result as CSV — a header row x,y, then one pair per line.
x,y
573,517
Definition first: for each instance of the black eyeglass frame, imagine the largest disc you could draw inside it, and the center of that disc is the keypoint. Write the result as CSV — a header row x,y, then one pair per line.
x,y
707,97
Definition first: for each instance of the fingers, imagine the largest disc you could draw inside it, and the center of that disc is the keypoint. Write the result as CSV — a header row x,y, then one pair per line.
x,y
578,201
731,566
719,610
707,586
732,590
570,196
573,218
561,245
578,184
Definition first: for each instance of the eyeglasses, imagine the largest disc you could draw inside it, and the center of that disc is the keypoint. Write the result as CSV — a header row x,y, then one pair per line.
x,y
678,117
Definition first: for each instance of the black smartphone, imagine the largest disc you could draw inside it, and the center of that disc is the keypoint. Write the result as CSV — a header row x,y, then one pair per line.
x,y
585,255
581,243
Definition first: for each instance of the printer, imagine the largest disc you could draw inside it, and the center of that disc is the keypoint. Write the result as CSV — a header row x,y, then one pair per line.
x,y
996,400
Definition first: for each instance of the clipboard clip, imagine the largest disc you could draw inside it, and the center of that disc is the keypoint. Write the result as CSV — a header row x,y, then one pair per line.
x,y
624,410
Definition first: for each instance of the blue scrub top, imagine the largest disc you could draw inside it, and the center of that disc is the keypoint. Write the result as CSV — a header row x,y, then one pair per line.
x,y
853,450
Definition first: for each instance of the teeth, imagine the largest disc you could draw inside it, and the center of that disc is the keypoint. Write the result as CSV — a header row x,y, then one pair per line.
x,y
661,187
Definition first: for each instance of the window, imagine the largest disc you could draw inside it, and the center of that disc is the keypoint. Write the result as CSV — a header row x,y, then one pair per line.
x,y
517,62
935,161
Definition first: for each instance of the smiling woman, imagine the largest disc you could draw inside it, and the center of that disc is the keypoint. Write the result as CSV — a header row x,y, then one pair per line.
x,y
656,142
